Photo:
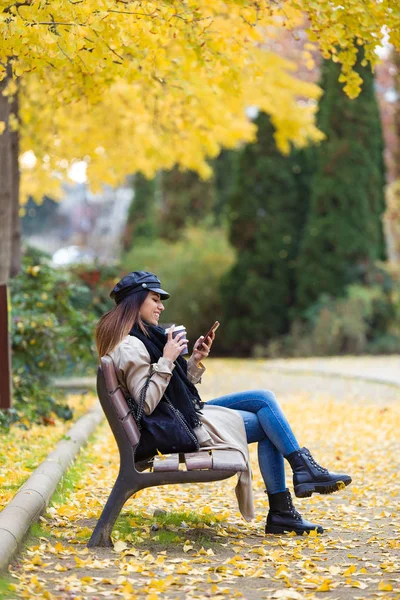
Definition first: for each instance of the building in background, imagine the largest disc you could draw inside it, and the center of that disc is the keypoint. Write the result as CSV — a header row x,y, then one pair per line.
x,y
83,227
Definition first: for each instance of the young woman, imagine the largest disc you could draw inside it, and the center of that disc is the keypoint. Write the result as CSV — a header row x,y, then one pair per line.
x,y
130,334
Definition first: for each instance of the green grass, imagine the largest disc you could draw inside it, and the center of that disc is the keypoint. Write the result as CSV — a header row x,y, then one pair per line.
x,y
172,518
37,530
5,592
172,528
72,477
11,486
32,464
165,538
188,517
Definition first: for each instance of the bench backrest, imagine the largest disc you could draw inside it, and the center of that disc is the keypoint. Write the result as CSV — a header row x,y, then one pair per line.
x,y
127,434
200,467
115,407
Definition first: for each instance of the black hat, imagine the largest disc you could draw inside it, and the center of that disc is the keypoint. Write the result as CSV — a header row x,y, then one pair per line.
x,y
135,282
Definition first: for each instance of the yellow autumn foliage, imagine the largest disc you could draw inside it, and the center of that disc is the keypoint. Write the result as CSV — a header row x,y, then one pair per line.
x,y
139,85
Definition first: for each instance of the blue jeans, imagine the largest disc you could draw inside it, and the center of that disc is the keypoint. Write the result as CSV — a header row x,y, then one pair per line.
x,y
266,424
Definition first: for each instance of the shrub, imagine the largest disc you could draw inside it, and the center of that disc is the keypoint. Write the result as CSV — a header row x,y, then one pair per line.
x,y
365,320
185,201
341,326
190,270
141,223
100,279
51,332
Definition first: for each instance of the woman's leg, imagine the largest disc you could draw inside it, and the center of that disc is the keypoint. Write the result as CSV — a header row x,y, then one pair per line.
x,y
282,516
308,476
269,413
270,460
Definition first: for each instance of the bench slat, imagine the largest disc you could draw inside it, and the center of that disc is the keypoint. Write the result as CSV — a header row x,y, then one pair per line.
x,y
119,403
131,430
167,463
198,460
109,373
228,460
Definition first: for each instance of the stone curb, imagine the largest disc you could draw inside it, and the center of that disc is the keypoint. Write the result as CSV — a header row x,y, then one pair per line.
x,y
321,372
33,497
75,383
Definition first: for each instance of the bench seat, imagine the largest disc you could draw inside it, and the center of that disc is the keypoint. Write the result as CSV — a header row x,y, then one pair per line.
x,y
224,460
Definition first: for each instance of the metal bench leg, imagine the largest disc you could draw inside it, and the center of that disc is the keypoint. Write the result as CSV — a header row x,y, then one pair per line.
x,y
120,493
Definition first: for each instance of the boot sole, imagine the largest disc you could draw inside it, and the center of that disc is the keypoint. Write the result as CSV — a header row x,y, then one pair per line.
x,y
276,529
305,490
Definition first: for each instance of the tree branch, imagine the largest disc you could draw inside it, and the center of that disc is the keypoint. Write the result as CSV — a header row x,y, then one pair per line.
x,y
17,5
56,23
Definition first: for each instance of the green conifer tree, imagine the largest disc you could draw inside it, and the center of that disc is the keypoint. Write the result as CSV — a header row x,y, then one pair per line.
x,y
343,234
264,228
164,206
185,200
141,223
223,167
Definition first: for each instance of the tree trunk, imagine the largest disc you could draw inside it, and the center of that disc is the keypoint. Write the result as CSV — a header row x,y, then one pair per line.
x,y
396,54
6,203
15,263
5,362
5,187
392,214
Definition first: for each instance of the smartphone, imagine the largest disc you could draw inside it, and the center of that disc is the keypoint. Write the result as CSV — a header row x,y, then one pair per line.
x,y
213,328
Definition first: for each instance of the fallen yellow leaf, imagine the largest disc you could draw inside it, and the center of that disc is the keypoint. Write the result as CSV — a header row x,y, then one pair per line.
x,y
350,570
385,586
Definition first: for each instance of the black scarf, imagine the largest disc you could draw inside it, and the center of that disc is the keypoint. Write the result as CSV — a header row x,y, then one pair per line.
x,y
181,392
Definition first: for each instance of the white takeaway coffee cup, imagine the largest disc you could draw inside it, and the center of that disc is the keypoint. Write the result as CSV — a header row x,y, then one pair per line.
x,y
179,329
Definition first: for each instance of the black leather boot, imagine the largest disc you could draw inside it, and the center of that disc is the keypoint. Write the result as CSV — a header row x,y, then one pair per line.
x,y
283,517
310,477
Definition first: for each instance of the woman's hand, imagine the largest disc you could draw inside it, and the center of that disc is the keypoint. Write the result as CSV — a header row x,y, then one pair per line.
x,y
202,348
174,346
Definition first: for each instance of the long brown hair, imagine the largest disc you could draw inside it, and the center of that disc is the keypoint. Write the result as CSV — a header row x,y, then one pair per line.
x,y
115,324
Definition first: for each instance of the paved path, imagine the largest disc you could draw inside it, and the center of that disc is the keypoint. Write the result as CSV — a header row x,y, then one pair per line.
x,y
75,383
385,369
376,368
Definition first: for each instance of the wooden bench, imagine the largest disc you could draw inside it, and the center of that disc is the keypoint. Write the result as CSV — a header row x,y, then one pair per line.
x,y
133,476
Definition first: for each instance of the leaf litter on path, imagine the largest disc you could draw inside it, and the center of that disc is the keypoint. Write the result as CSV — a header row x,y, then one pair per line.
x,y
201,548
